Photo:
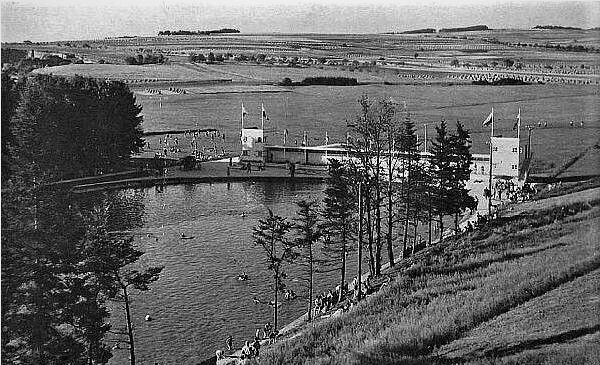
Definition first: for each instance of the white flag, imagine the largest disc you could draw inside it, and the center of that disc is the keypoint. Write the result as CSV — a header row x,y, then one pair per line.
x,y
264,113
243,110
489,119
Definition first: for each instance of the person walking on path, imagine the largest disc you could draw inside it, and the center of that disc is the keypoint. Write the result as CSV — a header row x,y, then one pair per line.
x,y
229,343
267,329
256,346
246,351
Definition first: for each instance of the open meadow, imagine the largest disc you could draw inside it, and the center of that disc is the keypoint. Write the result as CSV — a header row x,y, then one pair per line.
x,y
320,109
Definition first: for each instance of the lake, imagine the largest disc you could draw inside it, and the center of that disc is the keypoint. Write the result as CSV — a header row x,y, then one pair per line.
x,y
198,301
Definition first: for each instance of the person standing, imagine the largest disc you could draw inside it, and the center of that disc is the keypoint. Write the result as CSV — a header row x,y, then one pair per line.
x,y
256,346
229,343
267,329
246,351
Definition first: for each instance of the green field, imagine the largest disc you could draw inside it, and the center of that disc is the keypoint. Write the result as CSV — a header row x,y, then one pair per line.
x,y
521,291
317,109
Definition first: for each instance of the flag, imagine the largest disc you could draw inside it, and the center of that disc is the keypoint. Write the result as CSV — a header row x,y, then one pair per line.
x,y
243,110
326,138
518,122
264,113
304,139
285,135
489,119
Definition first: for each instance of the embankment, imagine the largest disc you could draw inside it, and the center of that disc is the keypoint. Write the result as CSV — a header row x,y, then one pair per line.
x,y
522,289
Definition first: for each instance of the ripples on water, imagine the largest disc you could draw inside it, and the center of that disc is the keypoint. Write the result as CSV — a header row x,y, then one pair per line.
x,y
198,301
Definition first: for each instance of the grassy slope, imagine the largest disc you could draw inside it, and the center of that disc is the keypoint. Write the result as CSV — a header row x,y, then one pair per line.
x,y
448,301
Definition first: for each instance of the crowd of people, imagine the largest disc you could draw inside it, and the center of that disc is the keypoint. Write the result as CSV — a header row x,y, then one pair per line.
x,y
203,146
251,349
509,191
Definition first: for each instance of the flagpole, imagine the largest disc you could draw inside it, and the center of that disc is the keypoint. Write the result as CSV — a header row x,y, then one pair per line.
x,y
425,137
262,117
519,126
491,166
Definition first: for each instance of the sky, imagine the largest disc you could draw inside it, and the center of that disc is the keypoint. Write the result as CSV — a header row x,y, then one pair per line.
x,y
50,20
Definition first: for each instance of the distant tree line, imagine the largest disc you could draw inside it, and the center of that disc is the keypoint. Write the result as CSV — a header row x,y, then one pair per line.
x,y
556,27
372,204
321,80
145,58
501,82
210,58
198,32
563,48
443,30
464,29
419,31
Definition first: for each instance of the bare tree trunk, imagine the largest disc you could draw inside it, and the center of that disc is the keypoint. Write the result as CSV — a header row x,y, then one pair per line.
x,y
378,213
407,211
390,207
310,282
429,216
456,223
343,278
370,233
275,304
441,226
360,240
129,326
415,231
406,223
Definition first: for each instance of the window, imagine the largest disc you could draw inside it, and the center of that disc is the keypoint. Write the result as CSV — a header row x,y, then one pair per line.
x,y
259,153
482,170
259,140
514,149
495,149
245,153
514,167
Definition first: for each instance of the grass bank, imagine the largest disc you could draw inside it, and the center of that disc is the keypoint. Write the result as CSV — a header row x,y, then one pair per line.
x,y
478,298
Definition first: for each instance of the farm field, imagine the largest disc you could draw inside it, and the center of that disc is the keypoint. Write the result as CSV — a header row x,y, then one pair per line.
x,y
274,74
523,290
174,73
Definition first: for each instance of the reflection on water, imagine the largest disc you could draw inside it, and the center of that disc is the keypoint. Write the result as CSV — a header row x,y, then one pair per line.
x,y
198,300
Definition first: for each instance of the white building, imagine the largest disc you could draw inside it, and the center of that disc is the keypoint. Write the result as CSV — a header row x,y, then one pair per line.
x,y
253,145
507,155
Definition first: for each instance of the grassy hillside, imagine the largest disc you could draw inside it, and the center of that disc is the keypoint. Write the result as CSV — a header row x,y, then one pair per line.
x,y
522,290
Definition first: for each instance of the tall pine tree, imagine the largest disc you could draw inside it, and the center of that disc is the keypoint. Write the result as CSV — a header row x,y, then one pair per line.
x,y
338,217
